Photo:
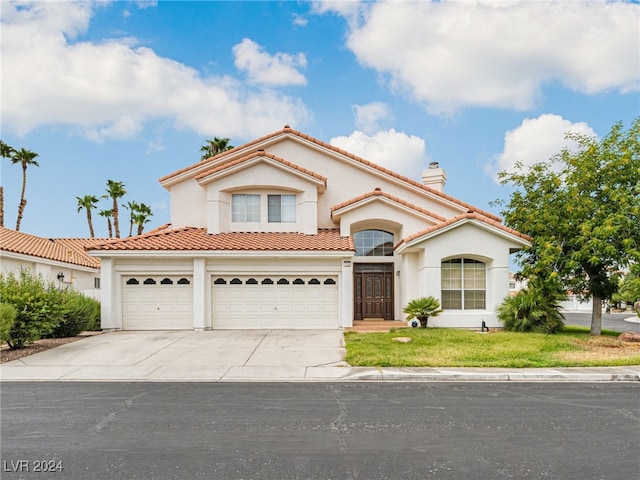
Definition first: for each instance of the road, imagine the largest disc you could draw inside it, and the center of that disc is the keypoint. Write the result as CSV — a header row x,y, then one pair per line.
x,y
610,321
321,430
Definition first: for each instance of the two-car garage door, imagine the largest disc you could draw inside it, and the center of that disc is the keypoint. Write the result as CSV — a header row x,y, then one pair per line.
x,y
246,302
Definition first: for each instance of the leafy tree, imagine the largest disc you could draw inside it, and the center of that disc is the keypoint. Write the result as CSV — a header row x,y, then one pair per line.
x,y
214,147
25,158
423,308
630,286
115,191
6,151
88,202
582,209
39,307
107,214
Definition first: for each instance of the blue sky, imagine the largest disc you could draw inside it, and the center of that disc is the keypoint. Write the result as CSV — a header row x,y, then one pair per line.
x,y
130,91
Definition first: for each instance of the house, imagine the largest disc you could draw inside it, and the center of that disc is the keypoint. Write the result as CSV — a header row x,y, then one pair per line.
x,y
63,261
288,231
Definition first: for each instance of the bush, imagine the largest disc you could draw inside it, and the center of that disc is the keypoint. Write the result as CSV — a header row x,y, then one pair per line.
x,y
39,307
7,319
80,314
532,310
422,309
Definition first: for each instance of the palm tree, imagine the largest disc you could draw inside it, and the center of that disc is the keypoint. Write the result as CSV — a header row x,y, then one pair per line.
x,y
214,147
88,202
25,158
115,190
107,214
133,208
142,216
6,151
422,309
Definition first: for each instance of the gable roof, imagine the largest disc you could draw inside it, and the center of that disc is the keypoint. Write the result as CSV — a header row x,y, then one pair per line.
x,y
197,239
67,250
393,198
290,132
459,219
258,155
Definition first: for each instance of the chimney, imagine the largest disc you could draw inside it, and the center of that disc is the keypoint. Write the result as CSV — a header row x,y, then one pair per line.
x,y
434,177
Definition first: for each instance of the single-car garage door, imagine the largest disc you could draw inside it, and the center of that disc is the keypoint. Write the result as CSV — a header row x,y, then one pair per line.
x,y
158,302
274,302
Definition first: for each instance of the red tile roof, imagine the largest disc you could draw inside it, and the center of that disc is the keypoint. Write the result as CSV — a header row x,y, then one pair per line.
x,y
291,131
67,250
258,154
193,238
379,193
459,218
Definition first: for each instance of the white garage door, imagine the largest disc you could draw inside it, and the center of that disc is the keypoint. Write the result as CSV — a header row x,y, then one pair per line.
x,y
274,302
157,302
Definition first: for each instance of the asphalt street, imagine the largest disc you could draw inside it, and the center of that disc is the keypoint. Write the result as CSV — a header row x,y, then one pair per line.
x,y
320,430
610,321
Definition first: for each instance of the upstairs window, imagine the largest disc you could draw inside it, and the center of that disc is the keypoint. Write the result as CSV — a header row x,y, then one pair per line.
x,y
281,208
373,243
245,207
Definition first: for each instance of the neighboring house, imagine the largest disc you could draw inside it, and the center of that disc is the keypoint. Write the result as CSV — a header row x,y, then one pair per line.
x,y
63,261
515,284
287,231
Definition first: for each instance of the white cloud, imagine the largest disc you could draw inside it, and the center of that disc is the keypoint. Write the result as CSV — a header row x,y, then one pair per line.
x,y
536,140
451,55
299,20
368,117
276,70
397,151
110,89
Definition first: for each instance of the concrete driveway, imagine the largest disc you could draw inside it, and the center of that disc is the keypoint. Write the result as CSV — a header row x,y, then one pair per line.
x,y
189,356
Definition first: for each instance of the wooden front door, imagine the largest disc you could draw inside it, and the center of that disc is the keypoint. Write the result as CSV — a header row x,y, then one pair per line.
x,y
373,292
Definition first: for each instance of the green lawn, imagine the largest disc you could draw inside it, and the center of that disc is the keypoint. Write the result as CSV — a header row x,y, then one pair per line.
x,y
448,347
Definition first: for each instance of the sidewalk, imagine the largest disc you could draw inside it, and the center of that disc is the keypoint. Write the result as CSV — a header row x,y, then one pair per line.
x,y
336,373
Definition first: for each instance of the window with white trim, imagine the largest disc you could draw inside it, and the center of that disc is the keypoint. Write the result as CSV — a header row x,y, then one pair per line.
x,y
463,284
281,208
245,207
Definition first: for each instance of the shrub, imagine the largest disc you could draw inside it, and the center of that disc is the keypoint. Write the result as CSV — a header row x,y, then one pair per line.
x,y
7,319
532,309
80,314
422,309
39,307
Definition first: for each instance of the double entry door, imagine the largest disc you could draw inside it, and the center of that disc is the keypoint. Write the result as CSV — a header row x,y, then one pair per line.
x,y
373,291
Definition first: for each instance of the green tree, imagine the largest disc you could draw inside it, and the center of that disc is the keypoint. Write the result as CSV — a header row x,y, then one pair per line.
x,y
582,209
6,151
88,202
25,158
142,216
107,214
630,286
214,147
115,191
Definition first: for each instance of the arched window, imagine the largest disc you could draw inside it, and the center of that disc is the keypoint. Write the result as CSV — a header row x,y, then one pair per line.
x,y
251,281
133,281
236,281
283,281
183,281
298,281
463,284
373,243
149,281
220,281
329,281
166,281
267,281
314,281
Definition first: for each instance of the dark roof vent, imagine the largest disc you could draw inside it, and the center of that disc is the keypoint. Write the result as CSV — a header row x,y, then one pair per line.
x,y
287,126
434,165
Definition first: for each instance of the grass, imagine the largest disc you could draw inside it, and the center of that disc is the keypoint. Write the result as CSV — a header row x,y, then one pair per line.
x,y
448,347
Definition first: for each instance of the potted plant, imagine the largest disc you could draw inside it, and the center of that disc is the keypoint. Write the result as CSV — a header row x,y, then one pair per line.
x,y
422,309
